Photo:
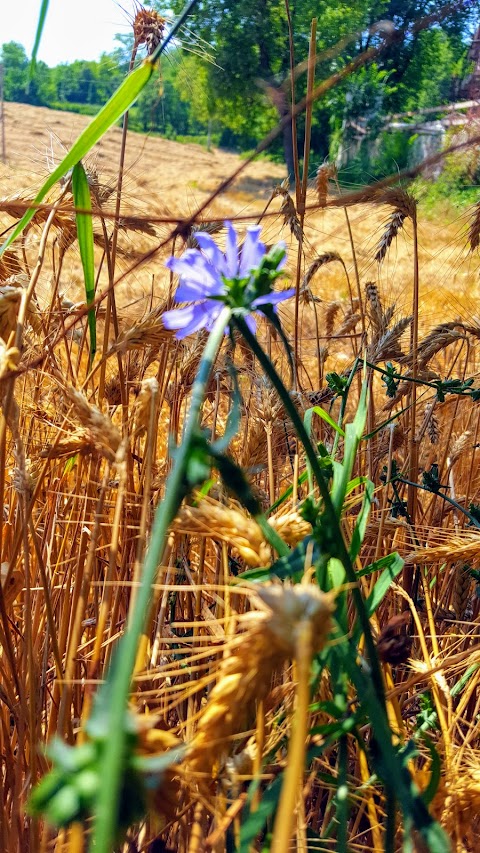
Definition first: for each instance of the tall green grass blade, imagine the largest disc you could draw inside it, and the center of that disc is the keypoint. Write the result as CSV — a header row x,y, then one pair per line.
x,y
291,565
361,525
379,565
123,98
256,820
38,35
435,772
83,202
317,410
460,685
353,434
383,583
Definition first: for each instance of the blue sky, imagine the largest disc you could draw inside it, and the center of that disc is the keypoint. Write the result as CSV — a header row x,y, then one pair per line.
x,y
74,29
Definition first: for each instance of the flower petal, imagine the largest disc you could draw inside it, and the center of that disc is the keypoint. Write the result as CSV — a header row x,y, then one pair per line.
x,y
211,250
250,322
231,251
273,298
192,292
186,320
195,269
252,251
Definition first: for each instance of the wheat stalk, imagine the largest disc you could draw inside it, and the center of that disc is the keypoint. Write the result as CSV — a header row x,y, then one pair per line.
x,y
461,588
269,638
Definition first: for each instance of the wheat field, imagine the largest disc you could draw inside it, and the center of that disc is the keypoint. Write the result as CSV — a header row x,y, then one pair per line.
x,y
223,670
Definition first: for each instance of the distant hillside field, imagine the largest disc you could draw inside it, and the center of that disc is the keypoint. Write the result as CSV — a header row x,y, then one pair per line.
x,y
165,178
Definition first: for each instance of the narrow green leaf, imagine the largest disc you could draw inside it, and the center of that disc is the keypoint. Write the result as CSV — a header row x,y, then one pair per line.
x,y
125,95
38,35
435,772
355,483
361,525
291,565
255,821
83,202
353,434
379,565
317,410
460,685
383,583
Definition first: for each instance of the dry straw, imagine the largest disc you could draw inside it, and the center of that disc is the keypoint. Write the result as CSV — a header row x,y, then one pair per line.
x,y
461,588
270,637
226,524
99,430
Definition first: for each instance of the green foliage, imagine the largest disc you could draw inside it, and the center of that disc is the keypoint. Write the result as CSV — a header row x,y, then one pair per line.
x,y
84,222
237,96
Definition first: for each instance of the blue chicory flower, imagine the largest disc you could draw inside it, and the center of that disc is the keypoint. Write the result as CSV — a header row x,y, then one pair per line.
x,y
210,279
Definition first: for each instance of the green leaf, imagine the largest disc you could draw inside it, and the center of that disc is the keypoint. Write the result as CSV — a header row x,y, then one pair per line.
x,y
38,35
256,820
123,98
435,772
382,585
83,202
461,683
342,472
361,525
317,410
355,483
379,565
291,566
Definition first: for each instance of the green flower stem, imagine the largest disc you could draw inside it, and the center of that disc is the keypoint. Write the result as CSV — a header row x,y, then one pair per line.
x,y
120,676
327,500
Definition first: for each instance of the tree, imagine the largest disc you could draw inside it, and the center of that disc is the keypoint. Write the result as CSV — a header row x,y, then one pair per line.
x,y
15,63
250,45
